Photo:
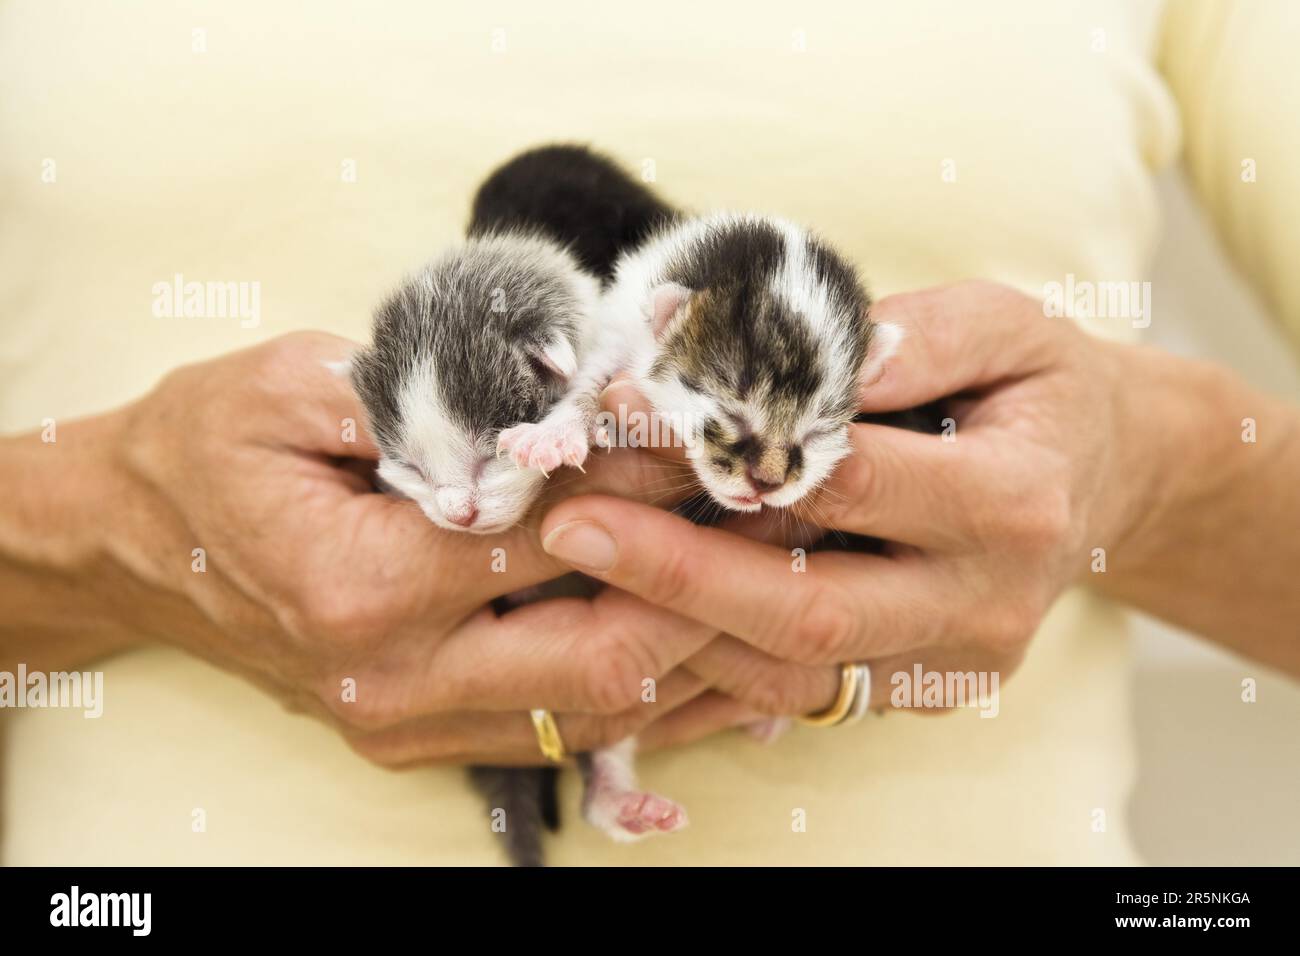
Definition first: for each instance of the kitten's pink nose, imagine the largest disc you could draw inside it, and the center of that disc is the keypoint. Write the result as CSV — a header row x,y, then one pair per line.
x,y
762,482
463,517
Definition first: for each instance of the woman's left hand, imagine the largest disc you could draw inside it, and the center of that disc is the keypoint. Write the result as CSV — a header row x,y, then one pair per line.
x,y
985,529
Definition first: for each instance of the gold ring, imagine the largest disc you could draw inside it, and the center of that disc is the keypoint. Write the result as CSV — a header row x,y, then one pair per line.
x,y
851,701
548,735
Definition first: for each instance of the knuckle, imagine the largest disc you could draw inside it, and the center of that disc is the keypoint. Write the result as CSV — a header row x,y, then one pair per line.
x,y
1030,516
394,751
673,579
364,708
345,617
776,698
291,347
275,357
378,750
1010,625
1043,521
612,678
825,626
277,365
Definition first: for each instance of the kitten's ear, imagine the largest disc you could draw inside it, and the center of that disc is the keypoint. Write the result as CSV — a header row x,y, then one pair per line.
x,y
557,356
885,339
664,302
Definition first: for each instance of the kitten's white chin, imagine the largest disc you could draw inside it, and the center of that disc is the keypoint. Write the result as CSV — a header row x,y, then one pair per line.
x,y
485,529
750,504
785,497
734,499
742,499
494,525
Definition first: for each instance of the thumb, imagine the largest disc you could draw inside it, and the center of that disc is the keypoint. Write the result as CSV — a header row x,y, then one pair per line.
x,y
958,337
721,579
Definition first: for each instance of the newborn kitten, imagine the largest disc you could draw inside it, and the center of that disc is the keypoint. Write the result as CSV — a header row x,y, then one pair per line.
x,y
486,336
750,336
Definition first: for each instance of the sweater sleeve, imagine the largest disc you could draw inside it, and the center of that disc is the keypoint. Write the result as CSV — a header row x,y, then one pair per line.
x,y
1232,67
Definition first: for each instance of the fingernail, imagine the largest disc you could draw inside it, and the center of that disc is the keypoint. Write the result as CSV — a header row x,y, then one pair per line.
x,y
583,543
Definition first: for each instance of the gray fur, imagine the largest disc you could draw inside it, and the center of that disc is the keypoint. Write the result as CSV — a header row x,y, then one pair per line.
x,y
478,316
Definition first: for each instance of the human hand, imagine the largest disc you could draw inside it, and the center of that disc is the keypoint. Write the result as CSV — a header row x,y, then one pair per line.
x,y
345,604
984,530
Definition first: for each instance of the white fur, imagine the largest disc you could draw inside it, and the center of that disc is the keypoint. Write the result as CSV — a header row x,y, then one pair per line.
x,y
615,804
457,472
625,339
885,342
639,275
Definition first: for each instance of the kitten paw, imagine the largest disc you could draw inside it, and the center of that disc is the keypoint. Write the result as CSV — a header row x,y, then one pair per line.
x,y
545,446
627,815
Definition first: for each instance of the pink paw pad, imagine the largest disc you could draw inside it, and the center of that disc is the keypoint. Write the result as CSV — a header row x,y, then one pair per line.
x,y
627,815
545,446
645,812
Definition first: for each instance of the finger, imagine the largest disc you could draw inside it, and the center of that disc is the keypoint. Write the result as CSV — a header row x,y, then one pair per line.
x,y
776,526
508,738
775,688
595,656
390,544
704,716
516,558
898,485
633,473
824,608
938,680
959,337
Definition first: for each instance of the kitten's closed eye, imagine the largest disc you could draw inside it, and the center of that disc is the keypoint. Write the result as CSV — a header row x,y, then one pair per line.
x,y
740,424
819,432
411,470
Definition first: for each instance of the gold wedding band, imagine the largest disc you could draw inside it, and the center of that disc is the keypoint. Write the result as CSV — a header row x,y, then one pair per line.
x,y
850,703
548,735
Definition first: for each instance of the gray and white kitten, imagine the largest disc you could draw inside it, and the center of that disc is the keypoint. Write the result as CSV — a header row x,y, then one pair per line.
x,y
486,336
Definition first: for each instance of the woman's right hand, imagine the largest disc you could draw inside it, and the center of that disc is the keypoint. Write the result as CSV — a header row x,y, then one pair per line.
x,y
229,512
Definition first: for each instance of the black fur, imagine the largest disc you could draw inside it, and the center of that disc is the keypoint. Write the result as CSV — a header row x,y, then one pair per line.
x,y
575,196
748,250
526,796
